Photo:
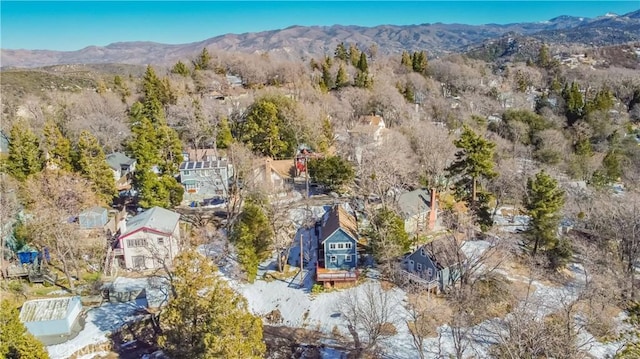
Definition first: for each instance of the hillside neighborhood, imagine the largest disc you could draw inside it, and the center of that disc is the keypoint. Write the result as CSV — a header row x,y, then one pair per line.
x,y
353,204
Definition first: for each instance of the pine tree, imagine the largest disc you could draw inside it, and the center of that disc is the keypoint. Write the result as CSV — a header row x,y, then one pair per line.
x,y
15,341
92,165
224,138
327,139
341,52
252,236
362,63
180,69
406,60
388,237
154,145
363,80
267,128
544,60
25,157
205,318
327,78
333,172
543,201
57,146
574,103
202,61
354,55
474,161
419,62
342,79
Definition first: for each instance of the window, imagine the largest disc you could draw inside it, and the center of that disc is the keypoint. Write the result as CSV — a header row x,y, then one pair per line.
x,y
419,267
186,173
333,259
429,272
332,246
347,258
161,241
347,245
136,242
138,262
340,245
422,253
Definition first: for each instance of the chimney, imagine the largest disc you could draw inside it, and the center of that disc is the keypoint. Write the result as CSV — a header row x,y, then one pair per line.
x,y
433,212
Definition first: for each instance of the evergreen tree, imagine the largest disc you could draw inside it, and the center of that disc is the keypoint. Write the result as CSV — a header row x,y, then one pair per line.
x,y
202,61
543,201
474,161
363,80
406,60
362,63
354,55
327,78
15,341
341,52
25,157
224,138
574,103
57,146
180,69
155,146
342,79
92,165
419,62
544,60
205,317
327,139
333,172
252,236
267,128
388,237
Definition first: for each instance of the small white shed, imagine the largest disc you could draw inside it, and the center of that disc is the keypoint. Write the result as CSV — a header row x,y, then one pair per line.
x,y
50,317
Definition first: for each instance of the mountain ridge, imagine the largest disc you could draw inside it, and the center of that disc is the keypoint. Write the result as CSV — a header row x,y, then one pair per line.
x,y
306,41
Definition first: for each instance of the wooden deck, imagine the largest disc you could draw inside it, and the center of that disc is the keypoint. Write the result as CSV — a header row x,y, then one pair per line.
x,y
328,275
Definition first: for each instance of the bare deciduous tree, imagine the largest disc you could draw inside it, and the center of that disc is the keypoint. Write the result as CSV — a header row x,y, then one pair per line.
x,y
369,315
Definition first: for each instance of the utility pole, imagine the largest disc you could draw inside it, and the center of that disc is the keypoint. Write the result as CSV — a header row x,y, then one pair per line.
x,y
306,173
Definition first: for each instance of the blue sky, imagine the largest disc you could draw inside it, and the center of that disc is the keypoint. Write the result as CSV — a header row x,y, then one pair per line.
x,y
72,25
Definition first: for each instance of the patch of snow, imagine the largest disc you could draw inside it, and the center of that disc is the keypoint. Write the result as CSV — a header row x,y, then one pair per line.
x,y
100,322
99,354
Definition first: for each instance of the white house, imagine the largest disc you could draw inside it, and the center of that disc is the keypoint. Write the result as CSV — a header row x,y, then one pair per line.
x,y
149,240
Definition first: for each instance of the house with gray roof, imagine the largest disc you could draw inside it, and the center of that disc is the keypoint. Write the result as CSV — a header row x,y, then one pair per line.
x,y
435,265
148,240
418,209
123,168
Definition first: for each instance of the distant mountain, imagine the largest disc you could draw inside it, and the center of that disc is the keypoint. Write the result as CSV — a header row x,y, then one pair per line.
x,y
304,41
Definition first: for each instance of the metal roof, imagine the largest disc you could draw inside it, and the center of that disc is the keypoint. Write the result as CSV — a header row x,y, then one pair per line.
x,y
117,159
42,310
201,165
156,218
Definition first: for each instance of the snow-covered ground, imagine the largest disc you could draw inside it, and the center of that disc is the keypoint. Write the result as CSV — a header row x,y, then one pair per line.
x,y
99,323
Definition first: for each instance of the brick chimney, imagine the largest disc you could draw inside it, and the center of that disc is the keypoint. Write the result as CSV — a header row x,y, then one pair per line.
x,y
433,212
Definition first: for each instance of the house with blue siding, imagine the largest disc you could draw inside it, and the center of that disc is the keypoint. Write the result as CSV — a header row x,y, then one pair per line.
x,y
436,265
337,247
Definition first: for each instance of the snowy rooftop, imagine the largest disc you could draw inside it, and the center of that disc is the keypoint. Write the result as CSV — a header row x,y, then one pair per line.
x,y
42,310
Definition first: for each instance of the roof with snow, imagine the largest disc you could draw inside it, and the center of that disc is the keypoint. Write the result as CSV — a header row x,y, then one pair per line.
x,y
157,219
43,310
